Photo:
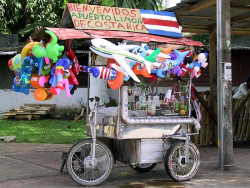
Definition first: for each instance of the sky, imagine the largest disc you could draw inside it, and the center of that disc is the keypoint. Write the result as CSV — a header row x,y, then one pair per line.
x,y
172,3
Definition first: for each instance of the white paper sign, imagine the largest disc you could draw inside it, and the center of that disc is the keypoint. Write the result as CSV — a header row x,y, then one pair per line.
x,y
227,71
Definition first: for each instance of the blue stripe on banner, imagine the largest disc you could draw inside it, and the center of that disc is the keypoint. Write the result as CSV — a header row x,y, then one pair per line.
x,y
162,13
164,33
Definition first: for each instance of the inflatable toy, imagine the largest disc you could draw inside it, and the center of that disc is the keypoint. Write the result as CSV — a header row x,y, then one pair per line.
x,y
19,86
72,57
139,69
169,64
42,94
107,49
117,82
57,74
10,63
37,81
16,63
184,67
52,51
46,69
27,49
195,66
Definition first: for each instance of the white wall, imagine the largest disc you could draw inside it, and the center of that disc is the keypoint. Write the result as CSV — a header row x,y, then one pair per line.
x,y
11,100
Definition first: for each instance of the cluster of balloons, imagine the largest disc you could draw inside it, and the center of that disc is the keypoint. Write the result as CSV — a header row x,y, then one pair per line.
x,y
163,61
47,68
50,68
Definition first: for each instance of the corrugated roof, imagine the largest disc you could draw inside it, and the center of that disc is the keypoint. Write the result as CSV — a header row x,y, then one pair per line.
x,y
199,16
8,52
70,33
240,43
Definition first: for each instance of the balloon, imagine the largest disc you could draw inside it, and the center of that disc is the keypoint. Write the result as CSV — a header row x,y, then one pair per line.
x,y
72,57
169,64
117,82
202,59
46,69
19,86
16,63
10,63
42,80
42,94
66,86
53,49
152,57
28,48
39,51
139,69
57,74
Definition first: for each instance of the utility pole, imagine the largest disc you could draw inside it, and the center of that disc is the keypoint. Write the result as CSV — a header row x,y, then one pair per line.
x,y
224,86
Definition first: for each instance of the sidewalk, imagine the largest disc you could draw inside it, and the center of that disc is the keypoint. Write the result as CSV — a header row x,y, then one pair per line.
x,y
38,165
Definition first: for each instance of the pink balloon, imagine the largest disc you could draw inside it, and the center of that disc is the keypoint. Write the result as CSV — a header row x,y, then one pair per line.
x,y
42,80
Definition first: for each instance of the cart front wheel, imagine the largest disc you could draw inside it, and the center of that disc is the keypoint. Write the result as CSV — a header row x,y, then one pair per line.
x,y
143,167
175,164
81,168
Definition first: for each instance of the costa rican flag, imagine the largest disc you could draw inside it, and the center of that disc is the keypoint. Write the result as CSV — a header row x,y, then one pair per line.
x,y
107,73
100,72
161,23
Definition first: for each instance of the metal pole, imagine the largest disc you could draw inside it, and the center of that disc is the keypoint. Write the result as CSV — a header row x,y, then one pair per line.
x,y
224,86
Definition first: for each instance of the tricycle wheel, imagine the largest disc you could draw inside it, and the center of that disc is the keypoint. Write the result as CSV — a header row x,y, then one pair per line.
x,y
175,164
79,163
143,167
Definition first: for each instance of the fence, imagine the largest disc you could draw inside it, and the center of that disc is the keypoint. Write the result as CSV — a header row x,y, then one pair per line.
x,y
241,120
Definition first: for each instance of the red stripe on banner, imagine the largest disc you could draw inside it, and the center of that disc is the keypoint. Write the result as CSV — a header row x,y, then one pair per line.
x,y
160,22
101,76
109,74
106,74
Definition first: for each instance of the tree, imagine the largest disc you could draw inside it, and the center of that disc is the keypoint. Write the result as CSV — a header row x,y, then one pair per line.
x,y
23,17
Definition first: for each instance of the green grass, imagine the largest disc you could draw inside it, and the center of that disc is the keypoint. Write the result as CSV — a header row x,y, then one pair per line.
x,y
49,131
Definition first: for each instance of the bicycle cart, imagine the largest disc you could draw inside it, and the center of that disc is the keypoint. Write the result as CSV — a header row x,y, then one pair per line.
x,y
138,134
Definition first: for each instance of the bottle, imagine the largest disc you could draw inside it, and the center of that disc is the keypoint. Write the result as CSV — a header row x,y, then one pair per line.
x,y
129,91
148,110
176,106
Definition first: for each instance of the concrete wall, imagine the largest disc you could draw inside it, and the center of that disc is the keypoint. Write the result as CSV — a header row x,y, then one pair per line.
x,y
11,100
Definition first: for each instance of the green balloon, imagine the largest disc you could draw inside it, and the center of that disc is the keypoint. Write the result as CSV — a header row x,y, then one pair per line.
x,y
153,56
39,51
54,51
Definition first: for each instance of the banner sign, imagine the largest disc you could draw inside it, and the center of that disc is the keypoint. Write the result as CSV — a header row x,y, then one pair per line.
x,y
95,17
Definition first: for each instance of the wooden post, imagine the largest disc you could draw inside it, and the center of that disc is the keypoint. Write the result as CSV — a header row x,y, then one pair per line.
x,y
213,82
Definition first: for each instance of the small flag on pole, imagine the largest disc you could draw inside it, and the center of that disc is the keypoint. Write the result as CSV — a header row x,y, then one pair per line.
x,y
161,23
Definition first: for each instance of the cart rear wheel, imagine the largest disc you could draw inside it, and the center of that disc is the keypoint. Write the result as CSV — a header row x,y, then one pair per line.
x,y
80,167
175,164
144,167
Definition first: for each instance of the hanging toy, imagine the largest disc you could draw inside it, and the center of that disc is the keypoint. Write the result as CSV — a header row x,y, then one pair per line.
x,y
139,69
42,94
52,51
195,66
57,74
72,57
118,80
27,49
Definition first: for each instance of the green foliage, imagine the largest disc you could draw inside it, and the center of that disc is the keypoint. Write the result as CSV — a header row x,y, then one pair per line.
x,y
140,4
112,102
25,16
48,131
109,3
203,38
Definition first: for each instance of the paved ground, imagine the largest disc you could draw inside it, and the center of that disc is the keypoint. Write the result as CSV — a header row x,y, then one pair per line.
x,y
38,165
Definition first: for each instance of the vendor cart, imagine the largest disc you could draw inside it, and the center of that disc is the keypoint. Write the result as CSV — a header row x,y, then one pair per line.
x,y
135,135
